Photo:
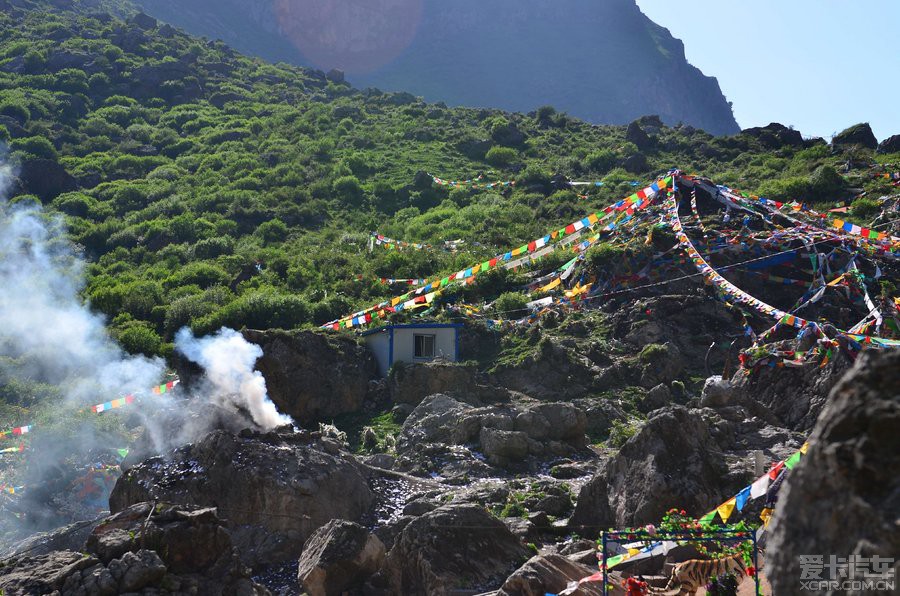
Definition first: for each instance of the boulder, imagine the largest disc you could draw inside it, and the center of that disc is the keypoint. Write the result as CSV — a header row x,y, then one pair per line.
x,y
841,499
549,574
554,421
858,134
635,134
775,135
335,76
717,392
150,548
42,574
503,447
474,148
339,556
794,396
636,164
672,460
275,489
410,384
143,21
507,134
890,145
658,397
438,419
453,547
313,376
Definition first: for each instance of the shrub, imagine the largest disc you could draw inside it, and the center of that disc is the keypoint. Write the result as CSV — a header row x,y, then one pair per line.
x,y
139,338
36,146
15,110
349,189
865,208
786,189
620,432
602,161
501,156
272,231
262,309
511,305
825,183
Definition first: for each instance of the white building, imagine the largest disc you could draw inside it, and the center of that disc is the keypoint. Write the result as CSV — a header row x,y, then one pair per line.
x,y
413,343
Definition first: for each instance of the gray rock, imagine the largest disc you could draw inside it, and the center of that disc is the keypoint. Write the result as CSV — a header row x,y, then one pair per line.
x,y
658,397
890,145
548,574
672,459
452,547
293,363
858,134
636,164
274,489
337,557
502,447
775,136
636,135
410,384
717,392
842,498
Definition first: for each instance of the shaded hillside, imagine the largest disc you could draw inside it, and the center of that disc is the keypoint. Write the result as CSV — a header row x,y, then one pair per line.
x,y
604,62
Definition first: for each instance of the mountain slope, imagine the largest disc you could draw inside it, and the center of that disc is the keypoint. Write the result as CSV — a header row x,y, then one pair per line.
x,y
211,189
604,62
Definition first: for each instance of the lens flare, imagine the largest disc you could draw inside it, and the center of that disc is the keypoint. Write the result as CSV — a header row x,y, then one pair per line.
x,y
356,36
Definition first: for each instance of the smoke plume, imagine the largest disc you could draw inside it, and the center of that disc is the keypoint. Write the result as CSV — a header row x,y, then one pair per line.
x,y
50,340
230,381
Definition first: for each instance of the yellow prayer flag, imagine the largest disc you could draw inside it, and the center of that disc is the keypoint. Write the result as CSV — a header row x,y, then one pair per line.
x,y
726,509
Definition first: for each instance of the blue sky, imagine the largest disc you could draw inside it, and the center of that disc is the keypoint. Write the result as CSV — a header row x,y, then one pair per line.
x,y
819,65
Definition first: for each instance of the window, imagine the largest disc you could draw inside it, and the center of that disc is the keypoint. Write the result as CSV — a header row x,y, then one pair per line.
x,y
424,346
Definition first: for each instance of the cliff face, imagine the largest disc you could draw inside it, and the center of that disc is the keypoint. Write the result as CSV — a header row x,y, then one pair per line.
x,y
601,60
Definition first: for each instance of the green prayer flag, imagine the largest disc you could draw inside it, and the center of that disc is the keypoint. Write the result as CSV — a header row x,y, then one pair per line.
x,y
707,519
123,453
612,562
792,461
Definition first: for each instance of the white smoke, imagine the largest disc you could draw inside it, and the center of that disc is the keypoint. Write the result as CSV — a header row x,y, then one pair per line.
x,y
44,325
228,360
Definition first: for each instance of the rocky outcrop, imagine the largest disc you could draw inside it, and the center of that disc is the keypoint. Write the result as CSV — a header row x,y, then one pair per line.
x,y
841,499
339,556
858,134
442,433
548,574
274,489
148,548
295,364
552,372
794,396
775,136
452,547
672,460
890,145
410,384
635,134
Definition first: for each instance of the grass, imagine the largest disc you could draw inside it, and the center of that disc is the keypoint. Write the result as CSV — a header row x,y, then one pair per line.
x,y
383,423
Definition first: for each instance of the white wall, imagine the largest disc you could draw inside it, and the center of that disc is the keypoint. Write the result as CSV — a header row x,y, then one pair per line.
x,y
379,344
444,343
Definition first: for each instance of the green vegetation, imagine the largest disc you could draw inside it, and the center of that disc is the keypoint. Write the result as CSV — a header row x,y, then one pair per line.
x,y
209,189
620,433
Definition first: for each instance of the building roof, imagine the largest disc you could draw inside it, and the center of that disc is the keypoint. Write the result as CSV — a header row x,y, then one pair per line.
x,y
411,326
